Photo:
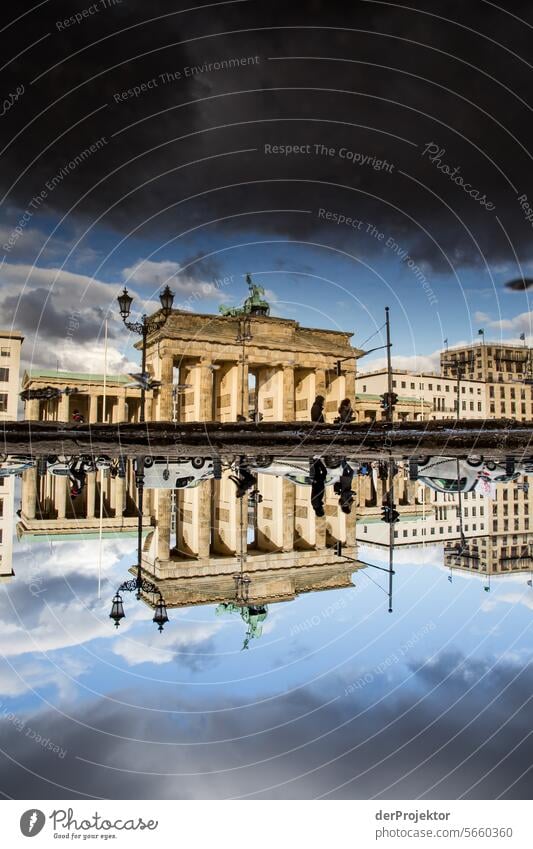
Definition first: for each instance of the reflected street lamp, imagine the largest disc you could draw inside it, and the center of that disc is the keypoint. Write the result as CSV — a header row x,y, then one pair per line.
x,y
143,328
139,584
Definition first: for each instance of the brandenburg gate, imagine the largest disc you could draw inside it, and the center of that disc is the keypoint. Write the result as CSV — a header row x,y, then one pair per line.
x,y
246,362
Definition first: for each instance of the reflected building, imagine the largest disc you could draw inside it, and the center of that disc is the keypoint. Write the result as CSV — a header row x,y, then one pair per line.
x,y
10,348
489,536
47,508
210,547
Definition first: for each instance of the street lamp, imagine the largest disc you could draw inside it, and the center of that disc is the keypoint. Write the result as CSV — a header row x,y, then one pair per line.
x,y
143,328
244,335
139,584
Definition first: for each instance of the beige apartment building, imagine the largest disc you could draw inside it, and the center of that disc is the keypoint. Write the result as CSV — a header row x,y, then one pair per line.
x,y
505,371
10,346
425,396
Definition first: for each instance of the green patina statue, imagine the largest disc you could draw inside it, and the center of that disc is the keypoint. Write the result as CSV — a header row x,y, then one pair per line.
x,y
254,304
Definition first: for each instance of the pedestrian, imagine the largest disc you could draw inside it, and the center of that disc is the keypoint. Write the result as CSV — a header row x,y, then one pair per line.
x,y
346,413
78,417
243,480
77,475
343,487
317,410
318,487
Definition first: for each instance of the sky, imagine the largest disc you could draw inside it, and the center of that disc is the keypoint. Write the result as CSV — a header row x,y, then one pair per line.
x,y
348,161
337,698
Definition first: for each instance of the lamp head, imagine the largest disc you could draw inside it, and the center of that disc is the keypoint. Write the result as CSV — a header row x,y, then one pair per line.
x,y
124,303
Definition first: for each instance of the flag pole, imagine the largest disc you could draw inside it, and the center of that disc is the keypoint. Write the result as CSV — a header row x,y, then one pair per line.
x,y
101,528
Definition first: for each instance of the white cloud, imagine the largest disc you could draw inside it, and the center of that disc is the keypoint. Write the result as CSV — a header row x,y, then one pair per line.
x,y
163,648
414,363
158,274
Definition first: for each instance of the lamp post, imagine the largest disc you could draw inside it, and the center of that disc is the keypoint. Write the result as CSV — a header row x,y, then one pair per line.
x,y
143,328
389,398
139,584
244,335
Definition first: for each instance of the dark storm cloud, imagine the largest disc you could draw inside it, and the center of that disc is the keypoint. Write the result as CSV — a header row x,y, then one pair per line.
x,y
380,82
36,312
328,751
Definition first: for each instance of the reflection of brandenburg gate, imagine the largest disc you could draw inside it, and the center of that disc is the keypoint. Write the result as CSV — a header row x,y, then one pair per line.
x,y
205,535
277,371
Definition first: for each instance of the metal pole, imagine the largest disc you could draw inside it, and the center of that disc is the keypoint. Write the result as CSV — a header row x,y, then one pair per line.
x,y
104,397
389,366
143,369
139,481
458,391
391,528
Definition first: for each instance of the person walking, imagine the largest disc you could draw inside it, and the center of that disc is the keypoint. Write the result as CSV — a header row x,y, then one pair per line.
x,y
346,413
317,410
343,487
318,486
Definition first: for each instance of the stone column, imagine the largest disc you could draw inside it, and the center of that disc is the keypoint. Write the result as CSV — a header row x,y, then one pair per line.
x,y
119,410
289,497
165,392
242,405
289,406
61,496
91,494
29,493
63,407
93,408
349,386
120,492
31,410
320,383
206,392
205,519
320,532
163,524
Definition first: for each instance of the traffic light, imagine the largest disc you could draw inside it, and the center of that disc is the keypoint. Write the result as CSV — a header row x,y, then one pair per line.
x,y
388,402
389,514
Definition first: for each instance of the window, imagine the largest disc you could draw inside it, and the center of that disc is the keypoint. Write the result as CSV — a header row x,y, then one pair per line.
x,y
4,375
412,386
403,384
3,402
479,406
5,352
430,386
394,384
364,387
447,388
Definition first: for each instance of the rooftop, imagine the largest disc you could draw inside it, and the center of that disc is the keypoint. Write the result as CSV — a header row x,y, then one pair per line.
x,y
36,374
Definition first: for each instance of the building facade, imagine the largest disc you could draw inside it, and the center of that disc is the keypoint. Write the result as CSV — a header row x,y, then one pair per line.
x,y
117,402
217,363
425,396
10,347
505,371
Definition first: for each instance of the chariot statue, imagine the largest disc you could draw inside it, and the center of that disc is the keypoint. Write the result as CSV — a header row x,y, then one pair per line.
x,y
254,304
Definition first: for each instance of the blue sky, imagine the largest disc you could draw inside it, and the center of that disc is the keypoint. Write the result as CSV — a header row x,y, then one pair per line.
x,y
331,671
342,286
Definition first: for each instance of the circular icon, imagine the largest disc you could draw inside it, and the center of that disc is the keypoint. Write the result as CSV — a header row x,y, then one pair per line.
x,y
32,822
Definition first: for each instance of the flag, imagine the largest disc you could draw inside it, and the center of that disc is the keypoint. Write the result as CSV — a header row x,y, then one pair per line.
x,y
444,341
481,332
523,337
